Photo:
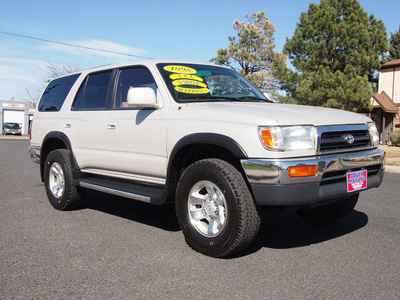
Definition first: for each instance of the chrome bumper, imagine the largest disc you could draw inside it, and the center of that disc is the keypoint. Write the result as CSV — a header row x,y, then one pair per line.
x,y
272,185
34,151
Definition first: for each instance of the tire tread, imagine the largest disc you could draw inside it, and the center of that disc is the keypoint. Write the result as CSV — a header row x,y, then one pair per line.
x,y
248,218
73,196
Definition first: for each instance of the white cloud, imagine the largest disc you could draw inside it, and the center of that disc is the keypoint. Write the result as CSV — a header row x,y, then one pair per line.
x,y
15,73
18,73
23,61
113,48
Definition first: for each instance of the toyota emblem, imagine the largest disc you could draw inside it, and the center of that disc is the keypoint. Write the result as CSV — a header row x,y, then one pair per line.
x,y
348,138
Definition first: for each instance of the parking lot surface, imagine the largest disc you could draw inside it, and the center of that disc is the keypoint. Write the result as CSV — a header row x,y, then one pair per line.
x,y
115,248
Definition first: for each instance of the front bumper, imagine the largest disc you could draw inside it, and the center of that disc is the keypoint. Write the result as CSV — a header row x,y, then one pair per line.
x,y
12,132
272,186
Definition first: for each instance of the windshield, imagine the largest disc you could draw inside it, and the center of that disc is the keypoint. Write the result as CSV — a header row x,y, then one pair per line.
x,y
12,126
198,83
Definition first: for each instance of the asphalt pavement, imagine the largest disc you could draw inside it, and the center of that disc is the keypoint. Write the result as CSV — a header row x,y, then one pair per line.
x,y
116,248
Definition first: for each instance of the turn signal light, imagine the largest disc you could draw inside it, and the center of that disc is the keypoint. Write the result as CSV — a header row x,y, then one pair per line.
x,y
303,171
272,137
267,138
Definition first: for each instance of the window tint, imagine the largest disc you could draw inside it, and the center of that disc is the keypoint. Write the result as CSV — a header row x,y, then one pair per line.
x,y
133,77
79,96
95,91
198,83
55,93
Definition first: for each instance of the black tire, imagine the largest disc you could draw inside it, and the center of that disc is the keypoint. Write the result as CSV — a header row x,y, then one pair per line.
x,y
215,209
62,194
330,212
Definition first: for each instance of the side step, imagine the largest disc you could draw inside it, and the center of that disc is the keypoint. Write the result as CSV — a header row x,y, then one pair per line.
x,y
131,190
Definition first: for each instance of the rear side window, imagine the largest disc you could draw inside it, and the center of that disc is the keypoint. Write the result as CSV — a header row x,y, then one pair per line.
x,y
56,92
93,92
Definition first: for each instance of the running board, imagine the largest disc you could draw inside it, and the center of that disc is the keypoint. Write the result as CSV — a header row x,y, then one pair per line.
x,y
140,192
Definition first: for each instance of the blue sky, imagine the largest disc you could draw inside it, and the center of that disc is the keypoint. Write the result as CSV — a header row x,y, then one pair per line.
x,y
166,29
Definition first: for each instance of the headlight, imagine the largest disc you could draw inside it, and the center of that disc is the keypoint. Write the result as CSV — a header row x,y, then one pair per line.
x,y
288,138
374,134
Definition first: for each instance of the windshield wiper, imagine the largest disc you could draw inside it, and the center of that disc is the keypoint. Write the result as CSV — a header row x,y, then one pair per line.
x,y
212,98
255,98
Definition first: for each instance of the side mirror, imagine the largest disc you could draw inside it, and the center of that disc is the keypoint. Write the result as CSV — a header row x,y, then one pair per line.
x,y
142,97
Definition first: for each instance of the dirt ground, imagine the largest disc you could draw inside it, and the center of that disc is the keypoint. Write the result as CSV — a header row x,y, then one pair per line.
x,y
15,137
393,155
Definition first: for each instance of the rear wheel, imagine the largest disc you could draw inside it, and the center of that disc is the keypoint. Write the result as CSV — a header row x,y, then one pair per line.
x,y
215,209
62,194
330,212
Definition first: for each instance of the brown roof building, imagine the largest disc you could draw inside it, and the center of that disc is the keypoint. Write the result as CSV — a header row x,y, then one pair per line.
x,y
386,103
383,101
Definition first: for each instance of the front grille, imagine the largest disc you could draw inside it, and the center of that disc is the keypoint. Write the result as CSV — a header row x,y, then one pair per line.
x,y
340,176
333,141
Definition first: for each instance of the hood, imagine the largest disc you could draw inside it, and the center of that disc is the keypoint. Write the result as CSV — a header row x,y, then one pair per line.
x,y
268,114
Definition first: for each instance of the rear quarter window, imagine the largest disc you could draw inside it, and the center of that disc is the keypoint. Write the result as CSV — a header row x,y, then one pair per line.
x,y
55,93
92,94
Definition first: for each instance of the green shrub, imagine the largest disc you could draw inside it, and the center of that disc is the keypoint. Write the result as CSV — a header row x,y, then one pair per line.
x,y
395,138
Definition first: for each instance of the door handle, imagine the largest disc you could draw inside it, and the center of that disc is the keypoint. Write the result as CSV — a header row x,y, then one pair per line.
x,y
111,126
67,125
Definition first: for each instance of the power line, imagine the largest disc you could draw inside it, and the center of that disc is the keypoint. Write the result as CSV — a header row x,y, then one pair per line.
x,y
72,45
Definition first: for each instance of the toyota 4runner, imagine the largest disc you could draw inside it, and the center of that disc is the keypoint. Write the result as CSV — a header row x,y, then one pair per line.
x,y
205,138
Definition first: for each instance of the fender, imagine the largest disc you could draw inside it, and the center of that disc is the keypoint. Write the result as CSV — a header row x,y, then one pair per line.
x,y
44,151
198,138
211,139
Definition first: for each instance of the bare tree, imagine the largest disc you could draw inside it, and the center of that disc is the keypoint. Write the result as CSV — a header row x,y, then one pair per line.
x,y
32,95
54,70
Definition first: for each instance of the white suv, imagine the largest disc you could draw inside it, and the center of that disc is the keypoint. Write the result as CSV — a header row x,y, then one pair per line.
x,y
205,138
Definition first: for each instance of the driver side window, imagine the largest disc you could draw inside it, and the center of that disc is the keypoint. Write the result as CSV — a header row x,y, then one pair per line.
x,y
132,77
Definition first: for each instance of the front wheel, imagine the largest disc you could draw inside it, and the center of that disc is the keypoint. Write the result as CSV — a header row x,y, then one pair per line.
x,y
62,194
330,212
215,208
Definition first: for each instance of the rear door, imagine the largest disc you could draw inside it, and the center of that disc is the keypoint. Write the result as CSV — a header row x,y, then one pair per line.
x,y
84,124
